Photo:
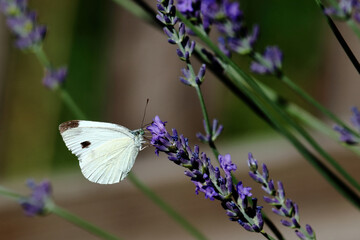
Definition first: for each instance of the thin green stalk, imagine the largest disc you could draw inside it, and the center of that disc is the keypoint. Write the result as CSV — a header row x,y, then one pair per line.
x,y
340,38
167,208
350,22
80,222
51,207
41,56
315,103
69,101
135,9
10,194
207,122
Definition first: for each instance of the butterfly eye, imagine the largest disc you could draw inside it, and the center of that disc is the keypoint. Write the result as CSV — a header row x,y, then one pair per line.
x,y
85,144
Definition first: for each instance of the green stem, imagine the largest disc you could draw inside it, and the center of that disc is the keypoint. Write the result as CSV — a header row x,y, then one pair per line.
x,y
51,207
80,222
350,22
135,9
165,207
207,122
10,194
41,56
312,101
69,101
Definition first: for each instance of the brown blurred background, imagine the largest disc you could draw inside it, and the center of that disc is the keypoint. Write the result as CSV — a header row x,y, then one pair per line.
x,y
115,63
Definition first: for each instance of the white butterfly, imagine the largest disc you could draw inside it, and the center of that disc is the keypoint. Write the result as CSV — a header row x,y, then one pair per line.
x,y
106,151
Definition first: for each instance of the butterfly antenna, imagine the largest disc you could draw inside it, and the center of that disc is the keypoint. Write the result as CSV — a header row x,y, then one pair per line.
x,y
142,122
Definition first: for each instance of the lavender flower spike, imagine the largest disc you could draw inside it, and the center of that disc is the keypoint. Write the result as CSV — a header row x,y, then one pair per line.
x,y
22,22
216,130
282,206
345,136
355,119
206,177
54,77
269,63
40,196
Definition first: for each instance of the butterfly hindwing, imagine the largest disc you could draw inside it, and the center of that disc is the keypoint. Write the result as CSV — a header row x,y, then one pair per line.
x,y
106,151
110,162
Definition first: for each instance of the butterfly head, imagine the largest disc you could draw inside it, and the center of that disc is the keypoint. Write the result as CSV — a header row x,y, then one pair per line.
x,y
138,132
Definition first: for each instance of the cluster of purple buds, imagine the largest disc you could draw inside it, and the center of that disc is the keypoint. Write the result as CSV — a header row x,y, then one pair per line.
x,y
190,78
207,178
269,63
345,10
345,135
284,207
22,22
167,15
54,77
36,203
228,19
215,132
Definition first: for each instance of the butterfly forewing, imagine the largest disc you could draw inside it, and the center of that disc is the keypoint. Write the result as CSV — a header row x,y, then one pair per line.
x,y
106,151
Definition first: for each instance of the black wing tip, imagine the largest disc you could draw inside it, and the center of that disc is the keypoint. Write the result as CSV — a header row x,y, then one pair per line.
x,y
68,125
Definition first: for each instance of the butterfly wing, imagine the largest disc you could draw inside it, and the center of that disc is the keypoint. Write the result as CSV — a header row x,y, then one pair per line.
x,y
106,151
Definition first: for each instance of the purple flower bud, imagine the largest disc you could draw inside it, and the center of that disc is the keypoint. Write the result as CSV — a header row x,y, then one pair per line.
x,y
226,163
246,226
256,177
252,163
243,191
54,77
168,33
265,172
270,63
345,136
210,193
286,223
355,119
184,6
300,235
310,230
280,190
271,187
36,203
181,30
184,81
295,223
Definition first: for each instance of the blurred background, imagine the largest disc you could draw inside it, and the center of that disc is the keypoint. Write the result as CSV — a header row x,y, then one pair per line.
x,y
115,63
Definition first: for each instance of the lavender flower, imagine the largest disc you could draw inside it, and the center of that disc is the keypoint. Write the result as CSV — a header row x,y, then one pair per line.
x,y
54,77
215,132
282,206
355,119
229,20
40,196
166,14
269,63
22,22
207,178
345,10
345,135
